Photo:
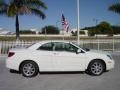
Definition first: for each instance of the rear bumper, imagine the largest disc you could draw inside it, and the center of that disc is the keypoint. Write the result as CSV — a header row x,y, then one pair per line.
x,y
10,64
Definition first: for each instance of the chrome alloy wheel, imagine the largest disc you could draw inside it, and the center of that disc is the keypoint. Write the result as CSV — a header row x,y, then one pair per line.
x,y
97,68
28,69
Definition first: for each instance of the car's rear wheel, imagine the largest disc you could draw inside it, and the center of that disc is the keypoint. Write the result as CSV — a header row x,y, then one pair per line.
x,y
29,69
96,68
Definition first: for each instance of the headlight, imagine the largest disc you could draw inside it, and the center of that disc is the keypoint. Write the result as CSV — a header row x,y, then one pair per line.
x,y
109,56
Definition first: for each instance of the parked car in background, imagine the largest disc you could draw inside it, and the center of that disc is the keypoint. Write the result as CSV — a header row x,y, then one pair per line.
x,y
55,56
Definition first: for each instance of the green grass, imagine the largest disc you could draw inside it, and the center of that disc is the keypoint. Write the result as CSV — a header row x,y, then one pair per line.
x,y
12,38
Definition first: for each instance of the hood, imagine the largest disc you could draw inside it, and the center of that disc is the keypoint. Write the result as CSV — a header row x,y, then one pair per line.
x,y
98,52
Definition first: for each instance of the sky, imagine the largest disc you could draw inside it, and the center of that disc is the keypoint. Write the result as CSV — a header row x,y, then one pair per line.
x,y
90,10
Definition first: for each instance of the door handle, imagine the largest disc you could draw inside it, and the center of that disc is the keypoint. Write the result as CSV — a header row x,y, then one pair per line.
x,y
55,53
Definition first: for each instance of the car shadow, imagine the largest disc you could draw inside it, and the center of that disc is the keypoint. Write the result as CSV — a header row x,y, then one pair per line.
x,y
14,71
68,72
57,72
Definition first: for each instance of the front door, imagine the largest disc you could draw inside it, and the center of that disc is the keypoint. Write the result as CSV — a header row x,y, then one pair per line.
x,y
65,57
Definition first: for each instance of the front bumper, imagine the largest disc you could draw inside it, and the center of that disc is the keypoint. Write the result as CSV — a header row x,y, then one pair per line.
x,y
110,64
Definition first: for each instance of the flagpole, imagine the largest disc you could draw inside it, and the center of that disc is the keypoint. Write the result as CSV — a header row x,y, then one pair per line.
x,y
63,34
78,23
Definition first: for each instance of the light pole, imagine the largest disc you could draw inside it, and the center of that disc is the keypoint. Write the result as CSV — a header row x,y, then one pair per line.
x,y
96,21
45,31
78,23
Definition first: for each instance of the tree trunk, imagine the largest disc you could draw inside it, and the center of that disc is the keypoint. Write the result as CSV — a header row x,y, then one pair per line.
x,y
17,28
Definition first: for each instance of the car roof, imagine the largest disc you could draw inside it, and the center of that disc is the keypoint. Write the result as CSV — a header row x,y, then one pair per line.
x,y
46,41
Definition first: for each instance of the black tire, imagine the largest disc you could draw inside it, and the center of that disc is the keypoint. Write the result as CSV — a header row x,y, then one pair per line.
x,y
96,68
29,69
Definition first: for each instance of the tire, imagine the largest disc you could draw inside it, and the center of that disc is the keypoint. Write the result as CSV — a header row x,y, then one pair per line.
x,y
96,68
29,69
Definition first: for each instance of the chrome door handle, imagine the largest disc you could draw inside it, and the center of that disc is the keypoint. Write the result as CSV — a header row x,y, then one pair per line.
x,y
55,53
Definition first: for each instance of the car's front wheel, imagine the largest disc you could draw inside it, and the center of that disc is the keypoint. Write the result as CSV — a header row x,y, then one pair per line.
x,y
29,69
96,68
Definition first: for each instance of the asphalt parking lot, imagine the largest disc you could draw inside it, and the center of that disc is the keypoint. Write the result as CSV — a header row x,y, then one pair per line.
x,y
72,81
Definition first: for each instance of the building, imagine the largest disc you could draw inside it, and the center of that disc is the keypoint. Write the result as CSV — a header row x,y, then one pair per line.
x,y
34,30
63,32
86,31
5,32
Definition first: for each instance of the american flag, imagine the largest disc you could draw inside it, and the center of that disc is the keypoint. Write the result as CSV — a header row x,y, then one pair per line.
x,y
65,23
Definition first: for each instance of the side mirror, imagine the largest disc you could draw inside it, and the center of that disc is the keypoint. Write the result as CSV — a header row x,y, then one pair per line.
x,y
78,51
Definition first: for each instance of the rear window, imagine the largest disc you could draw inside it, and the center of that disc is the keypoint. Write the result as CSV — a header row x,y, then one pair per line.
x,y
47,47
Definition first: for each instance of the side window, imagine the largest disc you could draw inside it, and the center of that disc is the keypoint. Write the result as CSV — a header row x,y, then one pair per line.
x,y
58,46
47,47
70,48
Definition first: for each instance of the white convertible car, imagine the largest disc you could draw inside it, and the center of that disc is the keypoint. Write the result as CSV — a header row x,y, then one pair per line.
x,y
58,56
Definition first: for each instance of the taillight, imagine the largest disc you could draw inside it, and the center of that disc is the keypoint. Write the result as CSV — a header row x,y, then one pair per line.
x,y
10,54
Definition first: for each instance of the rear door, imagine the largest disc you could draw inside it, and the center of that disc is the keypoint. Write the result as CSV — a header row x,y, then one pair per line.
x,y
44,57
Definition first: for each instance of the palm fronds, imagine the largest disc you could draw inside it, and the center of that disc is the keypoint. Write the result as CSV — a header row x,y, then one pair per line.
x,y
14,8
3,7
38,13
115,8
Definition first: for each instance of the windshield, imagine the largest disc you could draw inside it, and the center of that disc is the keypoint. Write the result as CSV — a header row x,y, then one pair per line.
x,y
85,49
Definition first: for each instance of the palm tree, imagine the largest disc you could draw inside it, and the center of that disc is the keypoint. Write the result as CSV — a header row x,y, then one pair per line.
x,y
115,8
14,8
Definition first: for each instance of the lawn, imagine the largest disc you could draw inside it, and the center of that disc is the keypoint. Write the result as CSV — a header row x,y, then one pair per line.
x,y
31,38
